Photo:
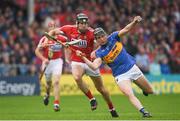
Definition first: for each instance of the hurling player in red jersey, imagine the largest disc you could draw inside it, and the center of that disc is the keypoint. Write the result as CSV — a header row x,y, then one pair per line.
x,y
83,32
51,55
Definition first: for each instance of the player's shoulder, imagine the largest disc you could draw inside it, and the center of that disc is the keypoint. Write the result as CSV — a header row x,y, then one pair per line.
x,y
90,29
90,32
114,35
42,39
68,26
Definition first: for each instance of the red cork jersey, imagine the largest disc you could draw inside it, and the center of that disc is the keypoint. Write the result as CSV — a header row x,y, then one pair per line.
x,y
51,49
86,44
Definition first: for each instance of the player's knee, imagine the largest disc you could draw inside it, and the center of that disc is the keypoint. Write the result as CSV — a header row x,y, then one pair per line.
x,y
150,91
77,78
56,83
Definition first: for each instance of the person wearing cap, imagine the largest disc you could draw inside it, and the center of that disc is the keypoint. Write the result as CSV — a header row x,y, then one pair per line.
x,y
124,69
51,55
83,32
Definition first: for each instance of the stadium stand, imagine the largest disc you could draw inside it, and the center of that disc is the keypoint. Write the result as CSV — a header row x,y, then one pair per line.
x,y
155,43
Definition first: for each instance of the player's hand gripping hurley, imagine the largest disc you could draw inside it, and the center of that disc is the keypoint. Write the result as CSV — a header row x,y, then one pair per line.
x,y
66,44
42,72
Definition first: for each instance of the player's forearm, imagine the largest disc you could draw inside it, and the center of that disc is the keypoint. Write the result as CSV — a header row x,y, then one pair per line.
x,y
39,55
92,65
54,32
130,26
126,29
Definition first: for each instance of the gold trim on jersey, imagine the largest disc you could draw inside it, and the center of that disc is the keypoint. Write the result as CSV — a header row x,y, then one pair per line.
x,y
50,53
111,56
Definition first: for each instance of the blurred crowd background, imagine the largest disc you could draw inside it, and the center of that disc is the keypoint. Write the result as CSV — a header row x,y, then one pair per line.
x,y
155,43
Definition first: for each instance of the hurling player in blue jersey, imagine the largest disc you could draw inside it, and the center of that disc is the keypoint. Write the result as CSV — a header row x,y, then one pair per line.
x,y
123,65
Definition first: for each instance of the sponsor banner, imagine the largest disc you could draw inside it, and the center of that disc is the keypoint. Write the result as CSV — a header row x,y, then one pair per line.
x,y
161,84
19,85
165,83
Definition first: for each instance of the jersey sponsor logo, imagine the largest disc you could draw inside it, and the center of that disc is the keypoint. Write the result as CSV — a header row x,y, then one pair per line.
x,y
81,44
55,47
114,52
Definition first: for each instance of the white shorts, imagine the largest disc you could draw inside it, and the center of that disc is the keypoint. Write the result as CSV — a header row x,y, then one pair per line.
x,y
53,68
87,69
133,74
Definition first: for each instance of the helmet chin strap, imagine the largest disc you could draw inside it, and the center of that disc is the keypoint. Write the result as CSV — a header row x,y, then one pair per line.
x,y
82,31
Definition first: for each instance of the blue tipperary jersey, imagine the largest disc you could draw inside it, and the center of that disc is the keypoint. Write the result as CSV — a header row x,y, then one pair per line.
x,y
115,56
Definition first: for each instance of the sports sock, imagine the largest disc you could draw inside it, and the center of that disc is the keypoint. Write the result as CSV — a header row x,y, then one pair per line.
x,y
89,95
110,105
56,101
142,110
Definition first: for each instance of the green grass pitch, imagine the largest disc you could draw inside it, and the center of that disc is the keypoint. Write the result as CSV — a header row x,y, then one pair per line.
x,y
162,107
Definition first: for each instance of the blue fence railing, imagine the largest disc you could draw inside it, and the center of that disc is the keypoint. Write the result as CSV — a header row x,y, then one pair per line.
x,y
29,85
19,85
165,83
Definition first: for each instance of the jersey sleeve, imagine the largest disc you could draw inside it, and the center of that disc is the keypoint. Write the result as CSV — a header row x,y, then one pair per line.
x,y
61,38
41,42
115,36
65,29
98,54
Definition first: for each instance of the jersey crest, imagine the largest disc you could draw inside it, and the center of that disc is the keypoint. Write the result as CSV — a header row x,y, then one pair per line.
x,y
55,47
114,52
81,44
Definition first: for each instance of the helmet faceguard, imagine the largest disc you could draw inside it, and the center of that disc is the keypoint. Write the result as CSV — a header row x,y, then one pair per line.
x,y
82,18
98,32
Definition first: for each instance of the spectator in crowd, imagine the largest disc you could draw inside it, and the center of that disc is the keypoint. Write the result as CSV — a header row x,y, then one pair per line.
x,y
165,69
155,68
5,66
142,60
23,68
161,28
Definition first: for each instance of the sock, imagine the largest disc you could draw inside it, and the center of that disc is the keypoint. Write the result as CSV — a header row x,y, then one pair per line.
x,y
144,93
47,93
110,105
142,110
56,101
89,95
